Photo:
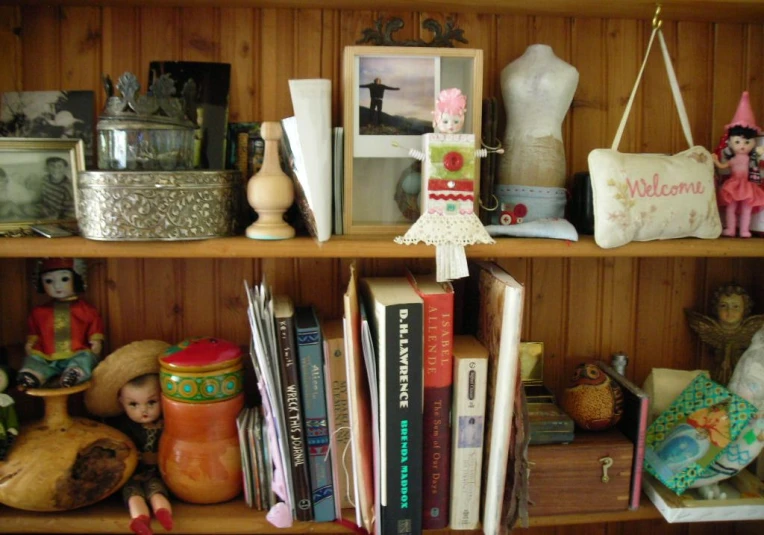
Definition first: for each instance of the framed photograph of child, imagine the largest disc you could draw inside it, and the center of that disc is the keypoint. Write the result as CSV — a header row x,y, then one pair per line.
x,y
389,97
37,178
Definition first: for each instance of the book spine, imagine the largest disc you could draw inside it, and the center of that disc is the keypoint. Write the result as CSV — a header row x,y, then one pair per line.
x,y
242,139
438,381
339,422
402,453
471,376
290,378
310,351
639,456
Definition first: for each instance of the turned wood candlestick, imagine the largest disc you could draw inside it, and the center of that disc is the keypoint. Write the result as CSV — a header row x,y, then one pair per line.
x,y
270,192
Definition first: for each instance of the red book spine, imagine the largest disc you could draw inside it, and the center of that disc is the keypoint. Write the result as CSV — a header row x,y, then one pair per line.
x,y
438,383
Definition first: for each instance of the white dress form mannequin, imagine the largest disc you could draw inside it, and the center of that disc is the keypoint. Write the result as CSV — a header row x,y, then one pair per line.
x,y
538,89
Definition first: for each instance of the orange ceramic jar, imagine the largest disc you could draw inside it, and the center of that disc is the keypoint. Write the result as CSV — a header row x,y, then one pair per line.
x,y
199,455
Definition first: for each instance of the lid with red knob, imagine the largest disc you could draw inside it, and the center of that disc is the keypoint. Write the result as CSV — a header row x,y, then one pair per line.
x,y
200,354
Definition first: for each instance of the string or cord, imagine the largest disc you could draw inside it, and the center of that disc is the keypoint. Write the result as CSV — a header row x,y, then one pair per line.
x,y
345,471
495,206
498,148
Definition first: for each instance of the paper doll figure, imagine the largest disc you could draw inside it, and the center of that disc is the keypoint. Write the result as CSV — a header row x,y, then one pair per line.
x,y
447,195
65,334
730,332
748,383
742,192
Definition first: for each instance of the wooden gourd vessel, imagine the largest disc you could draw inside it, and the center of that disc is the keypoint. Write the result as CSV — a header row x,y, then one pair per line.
x,y
61,463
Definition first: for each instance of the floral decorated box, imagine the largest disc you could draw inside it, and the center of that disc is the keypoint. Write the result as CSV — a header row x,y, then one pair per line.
x,y
693,432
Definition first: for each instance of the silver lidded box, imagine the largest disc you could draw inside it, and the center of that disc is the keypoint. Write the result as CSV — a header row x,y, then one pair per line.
x,y
147,132
157,205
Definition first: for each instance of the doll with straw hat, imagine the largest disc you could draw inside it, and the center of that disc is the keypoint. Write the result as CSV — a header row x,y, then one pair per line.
x,y
126,384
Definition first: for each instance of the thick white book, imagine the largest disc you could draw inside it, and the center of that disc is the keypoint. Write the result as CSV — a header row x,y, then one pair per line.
x,y
501,311
468,427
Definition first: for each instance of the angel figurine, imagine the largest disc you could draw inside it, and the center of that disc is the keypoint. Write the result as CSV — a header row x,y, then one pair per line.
x,y
447,196
730,333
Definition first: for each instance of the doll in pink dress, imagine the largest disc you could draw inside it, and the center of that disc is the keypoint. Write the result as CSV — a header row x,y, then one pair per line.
x,y
742,192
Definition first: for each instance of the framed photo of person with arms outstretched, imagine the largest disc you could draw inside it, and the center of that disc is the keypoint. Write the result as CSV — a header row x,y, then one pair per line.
x,y
389,97
37,178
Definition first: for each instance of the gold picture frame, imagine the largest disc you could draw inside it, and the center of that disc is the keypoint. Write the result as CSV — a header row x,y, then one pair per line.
x,y
29,193
389,94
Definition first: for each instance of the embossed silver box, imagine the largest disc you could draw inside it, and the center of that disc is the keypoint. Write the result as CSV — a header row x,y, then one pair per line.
x,y
157,205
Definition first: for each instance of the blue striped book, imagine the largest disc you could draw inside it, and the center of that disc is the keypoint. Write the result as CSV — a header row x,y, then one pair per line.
x,y
310,353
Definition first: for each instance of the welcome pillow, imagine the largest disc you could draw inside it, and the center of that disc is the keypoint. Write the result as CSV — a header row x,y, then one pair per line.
x,y
642,197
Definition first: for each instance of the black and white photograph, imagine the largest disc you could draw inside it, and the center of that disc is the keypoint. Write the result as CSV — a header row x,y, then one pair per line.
x,y
37,180
50,114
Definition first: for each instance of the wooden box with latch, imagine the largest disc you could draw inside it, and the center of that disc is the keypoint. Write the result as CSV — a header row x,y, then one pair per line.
x,y
591,474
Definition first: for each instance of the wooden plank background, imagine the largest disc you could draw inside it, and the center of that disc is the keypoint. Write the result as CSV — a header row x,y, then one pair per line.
x,y
579,308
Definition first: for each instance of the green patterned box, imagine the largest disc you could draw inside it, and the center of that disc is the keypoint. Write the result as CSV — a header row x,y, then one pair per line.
x,y
693,432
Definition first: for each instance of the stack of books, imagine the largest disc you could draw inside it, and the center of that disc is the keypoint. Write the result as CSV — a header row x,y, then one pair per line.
x,y
388,411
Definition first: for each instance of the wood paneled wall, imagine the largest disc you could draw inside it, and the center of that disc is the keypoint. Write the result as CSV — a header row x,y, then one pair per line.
x,y
578,307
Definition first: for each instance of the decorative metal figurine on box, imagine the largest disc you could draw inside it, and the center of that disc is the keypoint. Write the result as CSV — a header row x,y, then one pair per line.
x,y
146,132
447,197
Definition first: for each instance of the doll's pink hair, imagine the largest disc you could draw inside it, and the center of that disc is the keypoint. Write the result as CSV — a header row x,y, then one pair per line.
x,y
450,101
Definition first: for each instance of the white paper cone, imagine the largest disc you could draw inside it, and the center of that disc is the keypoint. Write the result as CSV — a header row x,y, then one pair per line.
x,y
312,103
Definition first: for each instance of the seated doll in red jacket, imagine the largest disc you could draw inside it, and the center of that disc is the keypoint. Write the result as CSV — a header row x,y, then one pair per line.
x,y
65,334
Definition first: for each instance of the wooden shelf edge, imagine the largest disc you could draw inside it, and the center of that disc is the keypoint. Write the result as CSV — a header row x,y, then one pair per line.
x,y
744,11
111,517
370,247
646,511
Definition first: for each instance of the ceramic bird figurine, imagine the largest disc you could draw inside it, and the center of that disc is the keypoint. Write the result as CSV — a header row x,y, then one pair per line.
x,y
729,334
747,382
592,399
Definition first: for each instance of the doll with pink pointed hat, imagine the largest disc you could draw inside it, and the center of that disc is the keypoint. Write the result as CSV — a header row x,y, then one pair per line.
x,y
742,192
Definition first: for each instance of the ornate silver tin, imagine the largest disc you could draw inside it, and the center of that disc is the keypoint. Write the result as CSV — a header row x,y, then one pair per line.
x,y
157,205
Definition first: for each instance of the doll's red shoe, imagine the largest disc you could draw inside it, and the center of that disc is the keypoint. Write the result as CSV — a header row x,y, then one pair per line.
x,y
165,518
140,525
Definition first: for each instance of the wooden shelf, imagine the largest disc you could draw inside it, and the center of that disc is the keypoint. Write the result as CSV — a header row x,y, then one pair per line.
x,y
746,11
369,247
234,518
